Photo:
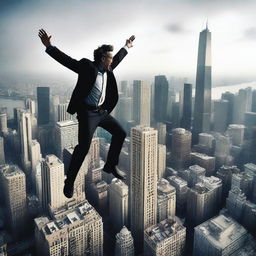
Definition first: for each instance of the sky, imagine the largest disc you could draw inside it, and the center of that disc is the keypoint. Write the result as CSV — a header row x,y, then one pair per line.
x,y
167,34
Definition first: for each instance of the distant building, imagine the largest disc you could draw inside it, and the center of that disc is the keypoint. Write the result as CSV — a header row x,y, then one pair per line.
x,y
165,238
124,243
219,236
166,200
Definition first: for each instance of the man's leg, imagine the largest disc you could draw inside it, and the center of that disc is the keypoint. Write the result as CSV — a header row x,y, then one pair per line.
x,y
86,128
110,124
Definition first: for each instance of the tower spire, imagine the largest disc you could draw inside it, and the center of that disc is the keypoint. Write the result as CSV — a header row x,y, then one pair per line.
x,y
206,24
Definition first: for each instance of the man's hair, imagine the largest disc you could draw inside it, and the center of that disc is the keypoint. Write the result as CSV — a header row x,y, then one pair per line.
x,y
101,51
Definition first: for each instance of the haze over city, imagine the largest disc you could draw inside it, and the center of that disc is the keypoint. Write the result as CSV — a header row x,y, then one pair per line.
x,y
166,35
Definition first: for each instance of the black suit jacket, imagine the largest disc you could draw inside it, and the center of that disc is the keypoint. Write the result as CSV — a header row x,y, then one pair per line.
x,y
87,72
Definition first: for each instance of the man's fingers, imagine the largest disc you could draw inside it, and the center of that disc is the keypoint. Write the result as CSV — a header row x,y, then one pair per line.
x,y
132,38
49,37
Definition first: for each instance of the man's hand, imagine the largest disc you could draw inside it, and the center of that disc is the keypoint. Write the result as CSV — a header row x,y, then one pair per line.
x,y
44,37
129,42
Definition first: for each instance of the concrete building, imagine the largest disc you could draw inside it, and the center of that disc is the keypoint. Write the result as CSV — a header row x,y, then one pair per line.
x,y
220,118
161,128
160,95
66,136
230,97
205,161
52,183
118,203
25,132
143,190
43,105
220,235
235,203
13,190
166,200
78,231
181,187
236,134
203,200
225,174
166,238
62,114
2,152
205,144
99,198
186,120
181,148
244,181
141,102
3,122
124,243
161,161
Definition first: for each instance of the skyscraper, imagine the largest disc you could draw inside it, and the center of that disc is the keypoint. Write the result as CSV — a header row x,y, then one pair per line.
x,y
124,243
66,136
141,102
118,203
25,131
2,153
52,183
3,122
143,182
160,98
13,189
220,118
181,147
203,200
187,107
43,103
202,110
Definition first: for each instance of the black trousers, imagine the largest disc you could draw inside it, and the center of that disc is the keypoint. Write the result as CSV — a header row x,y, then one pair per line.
x,y
88,121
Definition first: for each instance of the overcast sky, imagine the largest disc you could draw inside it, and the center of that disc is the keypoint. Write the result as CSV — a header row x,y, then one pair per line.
x,y
167,34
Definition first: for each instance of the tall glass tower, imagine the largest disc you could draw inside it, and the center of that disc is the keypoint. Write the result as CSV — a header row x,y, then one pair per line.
x,y
202,110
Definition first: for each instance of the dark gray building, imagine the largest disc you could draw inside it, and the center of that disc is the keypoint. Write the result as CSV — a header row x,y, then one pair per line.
x,y
43,103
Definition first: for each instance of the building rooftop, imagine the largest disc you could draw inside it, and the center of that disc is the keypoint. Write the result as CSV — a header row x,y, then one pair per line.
x,y
81,212
163,230
177,180
236,126
221,231
52,160
250,166
200,188
66,123
11,170
211,182
164,187
201,155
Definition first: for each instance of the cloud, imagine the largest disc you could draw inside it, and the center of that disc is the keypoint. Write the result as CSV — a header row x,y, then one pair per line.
x,y
175,28
250,33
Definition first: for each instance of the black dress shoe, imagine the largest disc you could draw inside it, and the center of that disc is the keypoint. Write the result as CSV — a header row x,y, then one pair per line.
x,y
68,189
114,171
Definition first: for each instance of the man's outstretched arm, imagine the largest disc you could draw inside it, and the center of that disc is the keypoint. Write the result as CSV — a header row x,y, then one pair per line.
x,y
58,55
122,52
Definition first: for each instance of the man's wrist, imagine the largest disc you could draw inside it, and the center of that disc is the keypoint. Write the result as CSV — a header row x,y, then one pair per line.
x,y
49,48
126,48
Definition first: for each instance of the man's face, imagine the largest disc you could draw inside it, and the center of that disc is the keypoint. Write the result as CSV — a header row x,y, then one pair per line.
x,y
106,60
